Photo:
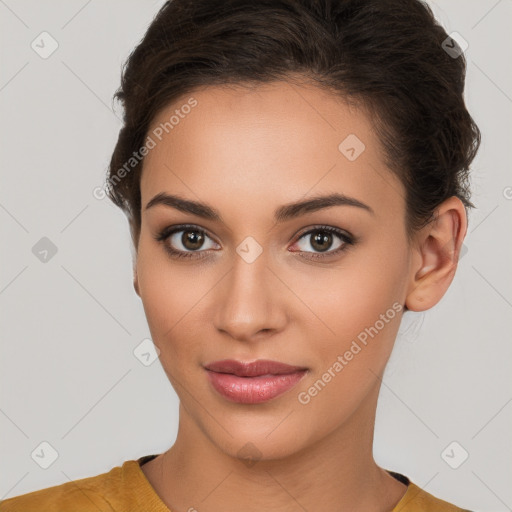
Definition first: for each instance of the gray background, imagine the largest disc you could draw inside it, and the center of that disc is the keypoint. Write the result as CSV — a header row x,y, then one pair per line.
x,y
70,325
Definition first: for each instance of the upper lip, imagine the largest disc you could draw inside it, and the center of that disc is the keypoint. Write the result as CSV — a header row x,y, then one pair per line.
x,y
252,369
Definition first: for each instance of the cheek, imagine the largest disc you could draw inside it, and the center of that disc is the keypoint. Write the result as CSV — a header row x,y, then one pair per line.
x,y
168,296
358,308
364,311
354,293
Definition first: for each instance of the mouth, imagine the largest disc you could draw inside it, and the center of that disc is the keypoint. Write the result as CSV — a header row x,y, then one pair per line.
x,y
253,382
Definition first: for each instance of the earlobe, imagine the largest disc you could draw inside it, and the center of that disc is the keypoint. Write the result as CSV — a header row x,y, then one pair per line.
x,y
134,252
136,282
436,255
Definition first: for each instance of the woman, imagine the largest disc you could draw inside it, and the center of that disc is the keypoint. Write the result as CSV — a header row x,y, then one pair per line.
x,y
295,176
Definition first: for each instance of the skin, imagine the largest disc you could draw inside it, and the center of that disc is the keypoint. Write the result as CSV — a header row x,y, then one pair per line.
x,y
246,152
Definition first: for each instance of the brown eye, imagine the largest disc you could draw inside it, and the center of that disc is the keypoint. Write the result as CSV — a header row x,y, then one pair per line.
x,y
189,240
321,241
325,241
192,240
185,241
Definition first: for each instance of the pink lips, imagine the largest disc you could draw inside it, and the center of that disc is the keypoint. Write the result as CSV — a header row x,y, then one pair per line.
x,y
255,382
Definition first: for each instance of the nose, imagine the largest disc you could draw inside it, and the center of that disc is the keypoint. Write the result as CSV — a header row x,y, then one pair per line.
x,y
250,301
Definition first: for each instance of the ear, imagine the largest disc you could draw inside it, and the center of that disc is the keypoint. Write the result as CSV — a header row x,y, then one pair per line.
x,y
134,252
436,254
136,281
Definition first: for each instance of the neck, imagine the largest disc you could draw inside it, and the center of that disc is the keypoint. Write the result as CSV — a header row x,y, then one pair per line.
x,y
338,473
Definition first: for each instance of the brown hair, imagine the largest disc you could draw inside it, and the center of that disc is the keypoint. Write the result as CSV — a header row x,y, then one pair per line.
x,y
386,55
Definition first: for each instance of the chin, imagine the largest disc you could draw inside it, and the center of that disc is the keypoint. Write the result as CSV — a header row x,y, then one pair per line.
x,y
254,441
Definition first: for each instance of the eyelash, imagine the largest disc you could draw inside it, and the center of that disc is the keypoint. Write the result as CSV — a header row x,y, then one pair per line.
x,y
164,234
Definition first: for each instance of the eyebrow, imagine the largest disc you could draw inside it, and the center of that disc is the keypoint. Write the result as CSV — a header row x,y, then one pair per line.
x,y
281,214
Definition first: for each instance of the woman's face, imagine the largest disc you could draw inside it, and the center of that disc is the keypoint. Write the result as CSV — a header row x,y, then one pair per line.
x,y
259,287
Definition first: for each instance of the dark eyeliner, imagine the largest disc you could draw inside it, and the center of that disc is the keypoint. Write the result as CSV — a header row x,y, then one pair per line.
x,y
348,242
165,233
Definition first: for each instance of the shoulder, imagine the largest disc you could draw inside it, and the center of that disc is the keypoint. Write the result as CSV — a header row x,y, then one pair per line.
x,y
100,493
417,500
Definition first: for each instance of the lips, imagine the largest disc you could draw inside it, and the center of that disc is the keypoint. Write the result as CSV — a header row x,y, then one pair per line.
x,y
255,382
252,369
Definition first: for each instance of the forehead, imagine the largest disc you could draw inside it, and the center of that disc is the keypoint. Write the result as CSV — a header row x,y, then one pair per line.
x,y
274,143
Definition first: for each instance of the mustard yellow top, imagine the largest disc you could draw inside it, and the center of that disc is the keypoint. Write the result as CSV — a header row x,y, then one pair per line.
x,y
125,489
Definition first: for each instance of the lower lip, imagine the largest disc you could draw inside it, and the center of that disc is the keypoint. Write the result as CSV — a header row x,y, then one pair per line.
x,y
253,390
